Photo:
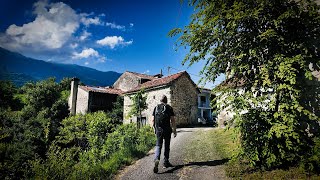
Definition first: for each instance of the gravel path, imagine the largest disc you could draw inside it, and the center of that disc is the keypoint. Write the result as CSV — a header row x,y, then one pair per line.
x,y
143,168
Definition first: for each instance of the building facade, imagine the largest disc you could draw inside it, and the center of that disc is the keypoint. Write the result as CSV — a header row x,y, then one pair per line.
x,y
181,92
204,106
183,95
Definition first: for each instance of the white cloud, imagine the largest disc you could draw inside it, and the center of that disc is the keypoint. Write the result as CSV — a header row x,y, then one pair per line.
x,y
131,24
113,41
86,63
146,72
59,32
88,21
115,26
84,35
53,26
85,53
102,59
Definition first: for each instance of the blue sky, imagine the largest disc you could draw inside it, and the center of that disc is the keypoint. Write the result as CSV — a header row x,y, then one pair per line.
x,y
106,35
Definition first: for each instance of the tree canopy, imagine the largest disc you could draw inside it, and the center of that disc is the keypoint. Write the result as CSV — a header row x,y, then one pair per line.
x,y
268,46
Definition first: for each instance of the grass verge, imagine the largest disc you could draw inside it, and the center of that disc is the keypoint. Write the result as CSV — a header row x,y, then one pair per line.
x,y
218,144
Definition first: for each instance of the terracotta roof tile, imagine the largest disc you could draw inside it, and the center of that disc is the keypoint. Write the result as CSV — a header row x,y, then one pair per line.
x,y
144,76
158,82
102,90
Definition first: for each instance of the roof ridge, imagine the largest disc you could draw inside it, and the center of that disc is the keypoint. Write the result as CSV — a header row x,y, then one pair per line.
x,y
159,81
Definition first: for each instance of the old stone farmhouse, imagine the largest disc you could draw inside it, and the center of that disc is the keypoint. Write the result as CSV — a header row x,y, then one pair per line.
x,y
182,94
190,103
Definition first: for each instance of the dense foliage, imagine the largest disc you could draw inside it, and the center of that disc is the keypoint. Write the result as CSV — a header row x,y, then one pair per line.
x,y
39,140
270,49
91,147
31,127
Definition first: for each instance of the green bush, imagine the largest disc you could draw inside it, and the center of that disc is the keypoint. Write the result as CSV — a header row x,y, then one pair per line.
x,y
59,164
108,148
89,130
313,162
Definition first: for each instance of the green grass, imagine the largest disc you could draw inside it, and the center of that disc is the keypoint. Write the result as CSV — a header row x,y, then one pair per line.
x,y
218,144
211,145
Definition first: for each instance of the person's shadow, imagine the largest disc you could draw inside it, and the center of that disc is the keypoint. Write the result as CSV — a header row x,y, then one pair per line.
x,y
204,163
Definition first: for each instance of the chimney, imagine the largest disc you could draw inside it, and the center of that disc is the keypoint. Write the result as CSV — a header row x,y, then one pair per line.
x,y
159,75
73,95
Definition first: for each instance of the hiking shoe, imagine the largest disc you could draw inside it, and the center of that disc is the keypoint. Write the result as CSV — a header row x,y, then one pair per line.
x,y
156,164
167,165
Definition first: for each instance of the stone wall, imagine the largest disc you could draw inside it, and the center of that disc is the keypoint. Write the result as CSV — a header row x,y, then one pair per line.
x,y
153,98
126,81
182,96
184,101
82,101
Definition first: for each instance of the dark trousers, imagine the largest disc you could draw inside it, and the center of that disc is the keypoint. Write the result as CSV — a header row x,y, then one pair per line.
x,y
166,136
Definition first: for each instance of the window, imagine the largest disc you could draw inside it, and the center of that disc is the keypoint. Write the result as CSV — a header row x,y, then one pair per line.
x,y
203,101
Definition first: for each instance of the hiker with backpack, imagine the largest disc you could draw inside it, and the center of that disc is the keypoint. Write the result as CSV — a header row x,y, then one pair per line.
x,y
164,124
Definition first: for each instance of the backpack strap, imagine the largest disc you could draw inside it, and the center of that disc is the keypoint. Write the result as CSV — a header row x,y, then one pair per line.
x,y
164,108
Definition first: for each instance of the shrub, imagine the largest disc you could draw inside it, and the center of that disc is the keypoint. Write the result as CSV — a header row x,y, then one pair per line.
x,y
120,147
86,131
59,164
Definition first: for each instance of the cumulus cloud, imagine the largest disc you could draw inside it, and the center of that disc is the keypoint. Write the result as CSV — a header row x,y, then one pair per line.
x,y
85,53
113,41
131,24
87,21
58,32
53,26
84,35
115,26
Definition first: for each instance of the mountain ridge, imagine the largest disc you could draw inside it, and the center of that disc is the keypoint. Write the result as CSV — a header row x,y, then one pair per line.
x,y
20,69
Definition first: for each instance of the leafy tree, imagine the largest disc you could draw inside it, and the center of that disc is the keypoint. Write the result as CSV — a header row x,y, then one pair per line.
x,y
65,83
117,110
139,104
7,99
268,45
29,132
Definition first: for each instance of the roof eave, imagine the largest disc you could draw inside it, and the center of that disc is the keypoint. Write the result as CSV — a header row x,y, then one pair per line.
x,y
147,89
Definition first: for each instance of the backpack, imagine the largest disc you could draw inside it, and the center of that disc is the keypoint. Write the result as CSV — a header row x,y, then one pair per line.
x,y
160,116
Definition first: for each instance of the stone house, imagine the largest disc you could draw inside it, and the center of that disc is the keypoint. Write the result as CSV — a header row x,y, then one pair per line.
x,y
84,99
180,90
190,103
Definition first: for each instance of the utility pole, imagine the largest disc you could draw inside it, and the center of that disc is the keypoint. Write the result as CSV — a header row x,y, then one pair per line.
x,y
169,70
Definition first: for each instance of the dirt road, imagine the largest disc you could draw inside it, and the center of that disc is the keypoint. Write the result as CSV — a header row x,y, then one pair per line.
x,y
143,168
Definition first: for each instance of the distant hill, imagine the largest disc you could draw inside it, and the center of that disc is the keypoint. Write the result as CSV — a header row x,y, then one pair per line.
x,y
20,69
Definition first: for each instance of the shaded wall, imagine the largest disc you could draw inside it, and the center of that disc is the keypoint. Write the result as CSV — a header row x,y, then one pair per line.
x,y
101,101
184,101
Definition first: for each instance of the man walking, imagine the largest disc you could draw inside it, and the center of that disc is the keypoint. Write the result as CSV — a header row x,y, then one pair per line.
x,y
164,124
